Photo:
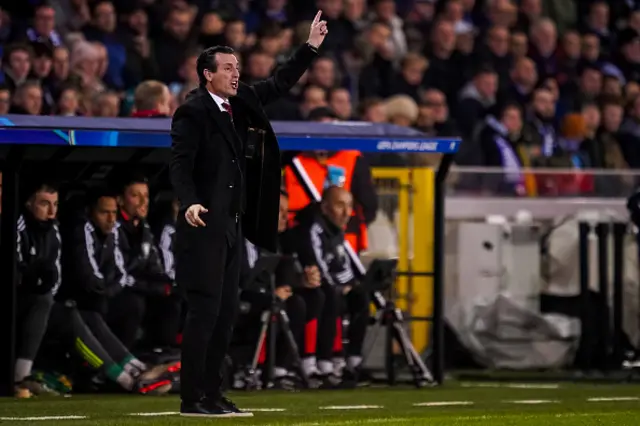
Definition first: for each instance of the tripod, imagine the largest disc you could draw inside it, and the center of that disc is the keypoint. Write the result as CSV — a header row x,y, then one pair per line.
x,y
380,276
273,320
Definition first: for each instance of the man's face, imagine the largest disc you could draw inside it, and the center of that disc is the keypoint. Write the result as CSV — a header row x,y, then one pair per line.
x,y
235,34
44,21
487,84
224,82
341,103
179,24
260,65
376,113
105,17
323,73
283,216
591,82
135,200
43,205
42,66
525,73
31,100
338,207
314,97
104,214
61,63
499,41
5,101
436,100
612,116
512,120
20,63
543,104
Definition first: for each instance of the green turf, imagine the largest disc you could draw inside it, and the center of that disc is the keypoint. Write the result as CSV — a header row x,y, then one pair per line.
x,y
491,406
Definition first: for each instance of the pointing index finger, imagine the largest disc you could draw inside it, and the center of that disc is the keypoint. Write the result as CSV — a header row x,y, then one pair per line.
x,y
317,18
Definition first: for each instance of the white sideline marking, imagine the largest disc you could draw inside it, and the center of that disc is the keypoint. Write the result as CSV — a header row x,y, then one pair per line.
x,y
264,410
511,385
615,398
442,403
29,419
350,407
532,401
162,413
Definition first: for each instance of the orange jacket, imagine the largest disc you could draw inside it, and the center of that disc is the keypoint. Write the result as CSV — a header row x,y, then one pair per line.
x,y
317,172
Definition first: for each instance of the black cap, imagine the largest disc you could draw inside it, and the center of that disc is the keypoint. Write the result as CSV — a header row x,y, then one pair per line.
x,y
317,114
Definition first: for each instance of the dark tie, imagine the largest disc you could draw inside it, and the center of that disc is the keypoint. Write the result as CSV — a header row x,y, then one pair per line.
x,y
227,107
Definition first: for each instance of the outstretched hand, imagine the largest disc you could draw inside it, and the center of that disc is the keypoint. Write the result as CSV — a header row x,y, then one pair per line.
x,y
318,31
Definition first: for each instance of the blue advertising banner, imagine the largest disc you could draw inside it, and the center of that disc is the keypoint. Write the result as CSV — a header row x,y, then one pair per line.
x,y
154,133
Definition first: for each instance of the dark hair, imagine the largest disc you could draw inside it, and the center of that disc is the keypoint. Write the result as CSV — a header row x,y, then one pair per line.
x,y
95,194
130,178
35,186
207,60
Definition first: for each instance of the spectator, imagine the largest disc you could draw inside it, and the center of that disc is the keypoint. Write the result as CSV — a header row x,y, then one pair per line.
x,y
340,101
524,78
409,79
27,99
43,30
5,100
68,102
85,64
152,99
544,39
105,104
373,110
476,98
401,110
103,29
17,64
173,44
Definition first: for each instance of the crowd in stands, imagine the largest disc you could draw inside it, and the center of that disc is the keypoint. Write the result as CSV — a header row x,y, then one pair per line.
x,y
528,83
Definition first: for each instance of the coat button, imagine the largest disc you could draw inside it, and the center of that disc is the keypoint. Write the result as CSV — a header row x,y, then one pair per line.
x,y
231,186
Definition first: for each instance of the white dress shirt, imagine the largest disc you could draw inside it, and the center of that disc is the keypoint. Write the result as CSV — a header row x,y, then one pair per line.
x,y
219,101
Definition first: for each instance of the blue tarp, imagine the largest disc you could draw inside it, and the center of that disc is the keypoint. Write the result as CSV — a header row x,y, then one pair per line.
x,y
153,133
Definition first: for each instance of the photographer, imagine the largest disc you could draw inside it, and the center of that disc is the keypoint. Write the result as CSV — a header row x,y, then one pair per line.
x,y
319,241
286,279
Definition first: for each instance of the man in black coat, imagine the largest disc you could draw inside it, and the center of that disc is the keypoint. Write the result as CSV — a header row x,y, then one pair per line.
x,y
225,170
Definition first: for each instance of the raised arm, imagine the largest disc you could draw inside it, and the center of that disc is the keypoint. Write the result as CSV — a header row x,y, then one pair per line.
x,y
288,74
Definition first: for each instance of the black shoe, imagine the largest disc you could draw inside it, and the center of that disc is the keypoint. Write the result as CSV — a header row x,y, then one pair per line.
x,y
225,403
199,409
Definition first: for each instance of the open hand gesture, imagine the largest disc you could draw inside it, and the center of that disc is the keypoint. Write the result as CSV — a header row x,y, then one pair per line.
x,y
318,31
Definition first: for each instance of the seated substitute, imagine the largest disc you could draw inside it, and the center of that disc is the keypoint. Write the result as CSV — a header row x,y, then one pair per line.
x,y
319,239
38,255
287,278
151,303
94,275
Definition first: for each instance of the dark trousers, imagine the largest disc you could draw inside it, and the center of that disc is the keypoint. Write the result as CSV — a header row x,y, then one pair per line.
x,y
32,318
125,314
158,316
314,302
355,304
212,304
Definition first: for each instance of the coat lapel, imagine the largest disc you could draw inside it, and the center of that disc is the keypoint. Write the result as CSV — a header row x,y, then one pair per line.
x,y
221,120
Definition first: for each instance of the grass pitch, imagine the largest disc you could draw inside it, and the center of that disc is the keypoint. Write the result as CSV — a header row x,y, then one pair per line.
x,y
494,404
